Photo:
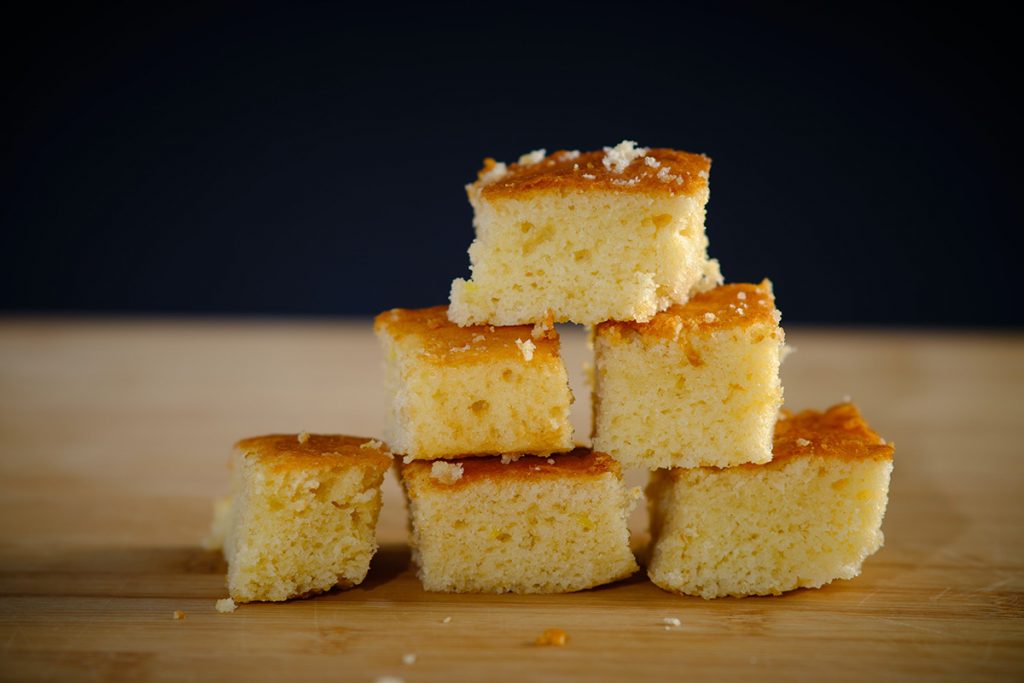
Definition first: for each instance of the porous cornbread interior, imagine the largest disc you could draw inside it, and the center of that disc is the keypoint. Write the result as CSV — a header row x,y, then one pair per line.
x,y
697,385
303,514
535,525
574,237
810,516
457,391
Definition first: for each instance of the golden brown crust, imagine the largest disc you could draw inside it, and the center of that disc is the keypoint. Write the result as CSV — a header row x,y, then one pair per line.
x,y
578,463
445,343
840,432
304,451
725,307
676,173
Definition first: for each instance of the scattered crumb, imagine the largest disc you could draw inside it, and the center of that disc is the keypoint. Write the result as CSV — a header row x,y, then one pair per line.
x,y
534,157
589,176
527,348
303,437
710,317
881,441
703,174
446,620
552,636
179,614
617,158
803,442
575,167
847,398
460,349
409,659
670,622
742,296
494,172
478,338
506,458
786,352
372,443
226,605
652,162
570,154
446,472
551,461
741,311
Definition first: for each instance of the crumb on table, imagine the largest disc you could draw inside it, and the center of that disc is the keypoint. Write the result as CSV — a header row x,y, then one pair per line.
x,y
552,636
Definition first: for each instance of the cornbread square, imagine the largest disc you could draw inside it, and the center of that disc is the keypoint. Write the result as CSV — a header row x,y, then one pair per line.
x,y
697,385
303,514
533,525
457,391
808,517
608,235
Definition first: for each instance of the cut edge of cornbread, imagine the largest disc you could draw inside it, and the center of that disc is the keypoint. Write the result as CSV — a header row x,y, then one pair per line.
x,y
302,514
471,391
809,517
697,385
526,525
608,235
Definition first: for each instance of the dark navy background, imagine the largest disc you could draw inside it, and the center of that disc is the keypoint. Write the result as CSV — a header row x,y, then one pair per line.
x,y
248,158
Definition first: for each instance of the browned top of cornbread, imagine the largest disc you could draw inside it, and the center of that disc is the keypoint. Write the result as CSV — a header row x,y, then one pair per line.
x,y
669,172
578,463
839,432
444,343
304,451
726,306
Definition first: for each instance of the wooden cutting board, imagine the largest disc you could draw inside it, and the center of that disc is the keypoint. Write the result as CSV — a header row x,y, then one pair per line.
x,y
114,437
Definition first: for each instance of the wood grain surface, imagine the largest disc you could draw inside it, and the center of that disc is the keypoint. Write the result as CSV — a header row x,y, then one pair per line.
x,y
114,437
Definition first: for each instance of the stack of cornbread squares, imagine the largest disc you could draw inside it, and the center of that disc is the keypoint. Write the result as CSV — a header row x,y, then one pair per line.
x,y
744,498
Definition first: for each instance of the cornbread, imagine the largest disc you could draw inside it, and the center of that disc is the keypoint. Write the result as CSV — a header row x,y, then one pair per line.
x,y
303,514
697,385
808,517
586,237
533,525
458,391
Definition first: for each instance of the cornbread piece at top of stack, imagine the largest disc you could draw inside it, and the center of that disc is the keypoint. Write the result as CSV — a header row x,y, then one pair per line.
x,y
697,385
533,525
811,515
459,391
302,515
586,237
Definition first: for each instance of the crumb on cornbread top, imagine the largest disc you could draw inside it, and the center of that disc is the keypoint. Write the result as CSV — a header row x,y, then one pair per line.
x,y
576,464
724,307
839,432
623,168
314,451
442,342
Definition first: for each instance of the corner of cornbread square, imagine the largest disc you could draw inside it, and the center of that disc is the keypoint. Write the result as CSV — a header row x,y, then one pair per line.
x,y
457,391
585,237
303,514
532,525
811,515
697,385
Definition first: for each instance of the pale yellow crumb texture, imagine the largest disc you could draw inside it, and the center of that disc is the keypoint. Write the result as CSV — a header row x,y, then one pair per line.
x,y
285,505
762,530
506,532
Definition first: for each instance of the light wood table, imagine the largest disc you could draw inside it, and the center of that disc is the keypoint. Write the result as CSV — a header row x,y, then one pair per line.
x,y
114,437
